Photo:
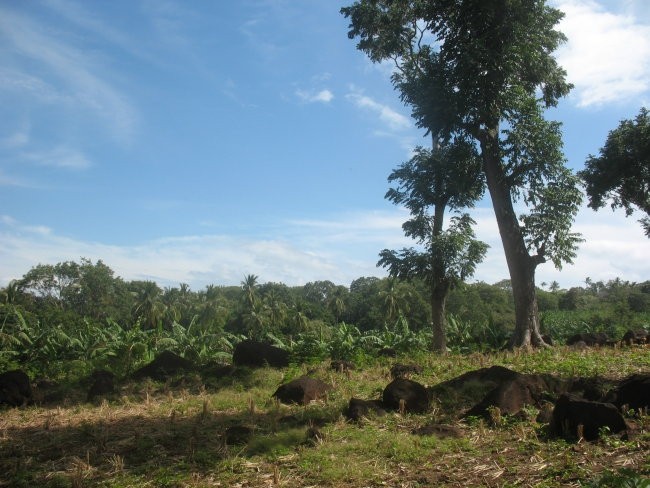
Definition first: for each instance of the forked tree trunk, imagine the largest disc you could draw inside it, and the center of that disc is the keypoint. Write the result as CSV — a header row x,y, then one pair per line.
x,y
521,264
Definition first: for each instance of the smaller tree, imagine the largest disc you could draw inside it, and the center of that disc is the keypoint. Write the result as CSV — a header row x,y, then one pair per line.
x,y
446,176
621,174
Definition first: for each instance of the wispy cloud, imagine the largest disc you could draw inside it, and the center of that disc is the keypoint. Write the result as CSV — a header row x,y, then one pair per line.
x,y
59,157
60,72
77,14
392,119
322,96
17,139
15,82
6,180
607,56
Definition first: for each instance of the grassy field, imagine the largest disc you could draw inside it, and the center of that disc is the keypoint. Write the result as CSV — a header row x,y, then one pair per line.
x,y
229,432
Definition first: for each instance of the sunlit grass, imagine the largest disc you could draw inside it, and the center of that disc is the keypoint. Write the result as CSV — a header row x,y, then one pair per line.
x,y
173,434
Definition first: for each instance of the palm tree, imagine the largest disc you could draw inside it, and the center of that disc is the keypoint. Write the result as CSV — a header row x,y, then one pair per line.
x,y
255,321
10,293
149,308
249,287
276,308
336,303
395,300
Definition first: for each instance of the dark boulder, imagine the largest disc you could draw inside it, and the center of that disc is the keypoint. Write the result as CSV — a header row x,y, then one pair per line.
x,y
590,339
15,388
635,337
511,396
499,387
358,408
414,396
258,354
387,352
165,365
493,376
103,383
302,391
590,388
404,370
470,388
570,412
633,391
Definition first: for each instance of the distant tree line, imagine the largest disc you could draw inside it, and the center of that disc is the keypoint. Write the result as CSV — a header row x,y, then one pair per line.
x,y
70,299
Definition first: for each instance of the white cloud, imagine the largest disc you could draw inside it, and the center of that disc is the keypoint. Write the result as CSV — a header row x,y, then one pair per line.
x,y
340,249
614,246
60,157
607,56
323,96
392,119
197,260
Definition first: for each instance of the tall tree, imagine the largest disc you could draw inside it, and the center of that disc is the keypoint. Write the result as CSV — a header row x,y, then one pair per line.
x,y
620,175
149,308
492,60
447,176
55,284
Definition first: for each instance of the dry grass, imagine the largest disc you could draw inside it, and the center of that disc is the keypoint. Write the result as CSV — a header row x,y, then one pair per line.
x,y
164,435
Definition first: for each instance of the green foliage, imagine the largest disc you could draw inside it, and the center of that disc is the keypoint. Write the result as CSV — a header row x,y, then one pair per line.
x,y
41,335
485,70
620,175
309,347
468,336
345,341
624,478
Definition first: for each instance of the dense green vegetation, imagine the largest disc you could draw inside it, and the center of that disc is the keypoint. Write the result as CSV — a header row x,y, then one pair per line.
x,y
67,317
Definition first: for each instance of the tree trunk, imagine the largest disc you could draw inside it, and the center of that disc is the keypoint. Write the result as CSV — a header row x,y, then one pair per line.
x,y
438,320
520,264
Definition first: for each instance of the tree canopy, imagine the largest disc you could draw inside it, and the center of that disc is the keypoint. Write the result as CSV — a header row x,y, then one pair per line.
x,y
484,68
620,175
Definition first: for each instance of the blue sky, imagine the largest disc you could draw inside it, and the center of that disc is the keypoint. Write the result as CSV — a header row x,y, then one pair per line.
x,y
198,142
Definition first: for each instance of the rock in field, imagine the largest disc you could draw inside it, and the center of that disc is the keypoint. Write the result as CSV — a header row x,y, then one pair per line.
x,y
570,412
258,354
414,396
15,388
302,391
358,408
165,365
103,383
